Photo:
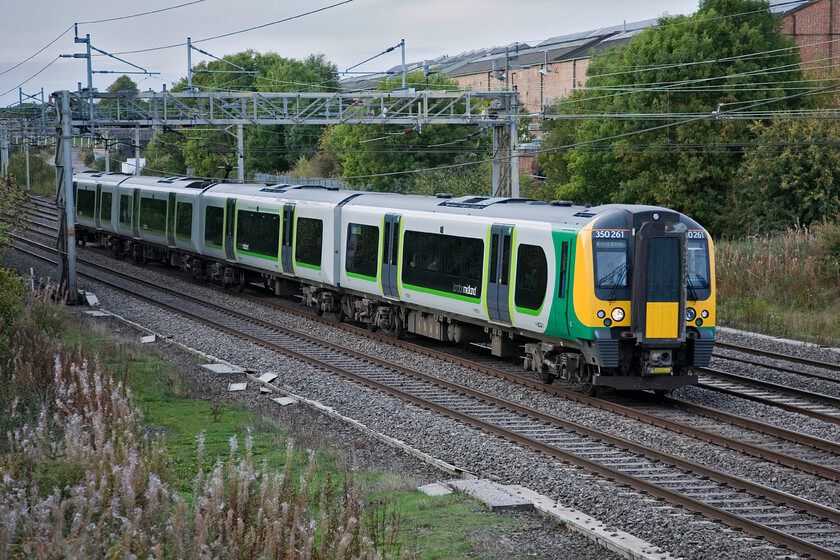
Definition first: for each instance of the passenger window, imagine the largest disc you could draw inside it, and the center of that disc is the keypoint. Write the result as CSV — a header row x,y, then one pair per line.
x,y
309,241
531,277
153,215
258,233
183,221
362,248
85,203
125,210
444,263
214,226
105,207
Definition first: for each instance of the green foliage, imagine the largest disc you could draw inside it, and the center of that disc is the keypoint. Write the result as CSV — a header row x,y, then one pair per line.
x,y
11,291
210,152
457,181
41,174
688,166
792,177
123,84
380,154
784,284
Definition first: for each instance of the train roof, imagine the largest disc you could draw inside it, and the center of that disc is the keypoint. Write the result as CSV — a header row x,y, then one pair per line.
x,y
143,180
303,193
556,212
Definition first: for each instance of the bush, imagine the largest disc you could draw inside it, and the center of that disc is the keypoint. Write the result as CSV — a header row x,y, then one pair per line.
x,y
41,174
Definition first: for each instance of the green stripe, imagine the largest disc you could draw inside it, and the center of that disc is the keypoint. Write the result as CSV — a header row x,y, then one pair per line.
x,y
530,311
305,265
258,255
361,276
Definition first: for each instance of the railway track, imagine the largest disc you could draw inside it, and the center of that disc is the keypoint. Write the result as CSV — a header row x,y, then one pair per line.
x,y
801,525
816,405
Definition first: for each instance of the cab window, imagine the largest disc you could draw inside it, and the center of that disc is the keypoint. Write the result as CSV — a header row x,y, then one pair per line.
x,y
611,281
698,280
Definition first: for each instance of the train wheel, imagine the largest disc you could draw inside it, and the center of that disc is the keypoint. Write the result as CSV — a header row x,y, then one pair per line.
x,y
546,376
241,284
586,385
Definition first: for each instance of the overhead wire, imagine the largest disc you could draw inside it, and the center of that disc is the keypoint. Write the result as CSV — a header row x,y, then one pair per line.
x,y
606,138
213,38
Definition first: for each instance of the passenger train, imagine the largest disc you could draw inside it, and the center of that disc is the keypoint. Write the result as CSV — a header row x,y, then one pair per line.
x,y
617,295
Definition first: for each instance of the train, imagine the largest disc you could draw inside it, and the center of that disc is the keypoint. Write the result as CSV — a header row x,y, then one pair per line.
x,y
612,296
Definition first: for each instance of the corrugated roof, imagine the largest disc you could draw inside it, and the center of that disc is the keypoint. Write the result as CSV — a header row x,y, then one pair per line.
x,y
561,47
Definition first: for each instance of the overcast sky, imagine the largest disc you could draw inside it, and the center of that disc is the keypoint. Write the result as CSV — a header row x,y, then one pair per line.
x,y
346,34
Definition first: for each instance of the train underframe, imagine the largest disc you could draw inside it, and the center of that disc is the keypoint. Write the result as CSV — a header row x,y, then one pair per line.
x,y
614,359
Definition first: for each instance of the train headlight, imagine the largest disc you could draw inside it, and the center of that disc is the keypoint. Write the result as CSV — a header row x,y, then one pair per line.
x,y
601,314
704,314
617,314
690,314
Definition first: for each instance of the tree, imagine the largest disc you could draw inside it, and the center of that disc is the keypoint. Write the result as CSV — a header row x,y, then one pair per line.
x,y
370,153
792,177
720,57
123,84
211,152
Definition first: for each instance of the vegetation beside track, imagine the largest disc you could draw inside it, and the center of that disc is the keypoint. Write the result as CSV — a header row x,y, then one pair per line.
x,y
787,284
102,440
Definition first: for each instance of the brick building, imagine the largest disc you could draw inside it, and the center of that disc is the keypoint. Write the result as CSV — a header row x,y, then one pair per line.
x,y
815,26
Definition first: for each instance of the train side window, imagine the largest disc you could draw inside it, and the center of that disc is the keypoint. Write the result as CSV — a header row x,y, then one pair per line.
x,y
564,268
453,255
473,259
531,277
444,263
153,215
125,210
309,241
105,207
494,258
183,221
258,233
505,261
387,238
86,203
362,248
214,226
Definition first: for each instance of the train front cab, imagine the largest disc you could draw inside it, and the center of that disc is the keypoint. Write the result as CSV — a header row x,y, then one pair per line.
x,y
649,306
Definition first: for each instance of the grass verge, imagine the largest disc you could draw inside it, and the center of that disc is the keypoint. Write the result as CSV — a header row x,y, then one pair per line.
x,y
784,285
429,528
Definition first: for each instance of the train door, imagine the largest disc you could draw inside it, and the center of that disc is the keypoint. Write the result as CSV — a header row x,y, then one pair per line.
x,y
390,254
230,228
170,219
135,212
288,239
659,283
563,283
498,273
97,206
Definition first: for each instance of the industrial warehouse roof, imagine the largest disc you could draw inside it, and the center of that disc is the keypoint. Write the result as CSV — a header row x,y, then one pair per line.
x,y
523,55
